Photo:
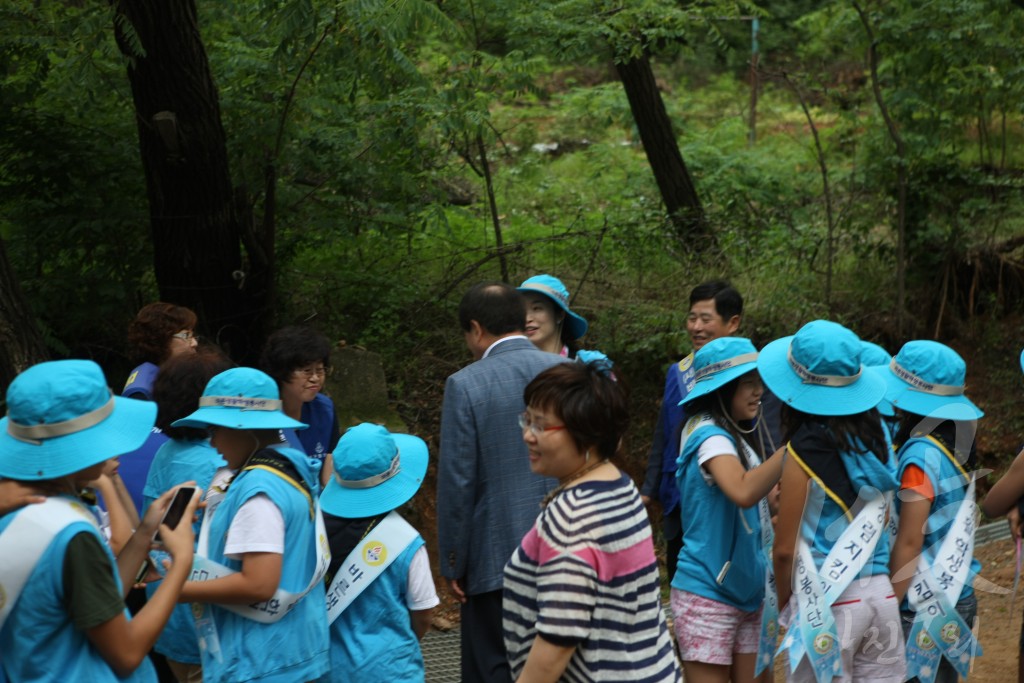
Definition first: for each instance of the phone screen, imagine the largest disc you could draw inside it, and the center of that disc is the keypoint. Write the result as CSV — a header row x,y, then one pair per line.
x,y
176,510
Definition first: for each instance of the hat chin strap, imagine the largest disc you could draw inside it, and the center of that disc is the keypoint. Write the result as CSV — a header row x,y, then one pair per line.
x,y
35,434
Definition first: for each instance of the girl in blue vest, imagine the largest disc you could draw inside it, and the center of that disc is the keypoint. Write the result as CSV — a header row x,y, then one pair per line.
x,y
936,462
264,617
381,592
63,617
831,551
719,583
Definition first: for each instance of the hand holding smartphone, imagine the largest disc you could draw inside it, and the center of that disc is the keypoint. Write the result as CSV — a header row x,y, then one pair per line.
x,y
171,517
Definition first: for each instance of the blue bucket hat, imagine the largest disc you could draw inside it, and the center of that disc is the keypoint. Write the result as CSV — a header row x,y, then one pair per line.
x,y
240,398
927,378
818,371
551,287
875,357
719,362
1022,361
62,418
375,471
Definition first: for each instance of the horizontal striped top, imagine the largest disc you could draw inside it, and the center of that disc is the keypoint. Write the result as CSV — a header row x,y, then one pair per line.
x,y
585,575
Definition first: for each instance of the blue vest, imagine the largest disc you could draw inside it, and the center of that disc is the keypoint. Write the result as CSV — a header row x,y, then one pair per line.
x,y
140,382
678,381
38,642
296,647
863,469
175,462
716,531
373,638
949,482
317,440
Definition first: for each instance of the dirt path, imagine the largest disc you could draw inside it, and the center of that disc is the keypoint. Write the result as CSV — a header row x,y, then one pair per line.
x,y
999,630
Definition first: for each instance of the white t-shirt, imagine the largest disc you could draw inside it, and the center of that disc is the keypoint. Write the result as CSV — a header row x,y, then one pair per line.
x,y
419,591
258,527
716,445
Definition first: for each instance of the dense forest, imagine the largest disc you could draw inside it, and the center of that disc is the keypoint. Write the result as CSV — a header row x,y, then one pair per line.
x,y
358,164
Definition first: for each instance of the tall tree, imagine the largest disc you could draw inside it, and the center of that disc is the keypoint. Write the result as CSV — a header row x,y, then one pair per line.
x,y
21,344
197,223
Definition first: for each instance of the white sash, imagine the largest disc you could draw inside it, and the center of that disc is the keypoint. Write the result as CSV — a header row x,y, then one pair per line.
x,y
812,630
367,561
25,540
282,602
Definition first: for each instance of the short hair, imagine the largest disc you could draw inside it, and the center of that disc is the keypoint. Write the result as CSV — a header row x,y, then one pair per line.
x,y
179,385
593,404
728,302
497,306
151,330
291,348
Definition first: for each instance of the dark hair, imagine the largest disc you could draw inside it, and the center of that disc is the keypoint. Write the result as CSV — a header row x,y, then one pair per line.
x,y
564,335
950,433
728,302
179,385
719,403
151,330
860,432
593,405
497,306
291,348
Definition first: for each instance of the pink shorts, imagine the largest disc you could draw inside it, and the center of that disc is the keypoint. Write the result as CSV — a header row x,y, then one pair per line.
x,y
710,632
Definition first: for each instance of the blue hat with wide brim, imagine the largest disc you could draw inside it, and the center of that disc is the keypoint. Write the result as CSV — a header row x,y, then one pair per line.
x,y
551,287
375,471
719,362
1022,360
874,356
62,418
818,371
240,398
927,378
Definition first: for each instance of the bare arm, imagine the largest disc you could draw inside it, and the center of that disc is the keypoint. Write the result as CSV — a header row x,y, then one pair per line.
x,y
745,487
136,550
546,662
914,511
792,495
15,494
421,621
122,643
1005,493
258,581
120,525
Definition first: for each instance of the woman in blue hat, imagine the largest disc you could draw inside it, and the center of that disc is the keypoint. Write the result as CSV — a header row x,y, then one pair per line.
x,y
550,324
262,549
937,459
831,551
62,616
380,590
719,584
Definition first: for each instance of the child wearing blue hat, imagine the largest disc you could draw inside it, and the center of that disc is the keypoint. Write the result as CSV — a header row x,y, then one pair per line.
x,y
932,563
381,592
550,324
721,578
831,551
262,548
62,616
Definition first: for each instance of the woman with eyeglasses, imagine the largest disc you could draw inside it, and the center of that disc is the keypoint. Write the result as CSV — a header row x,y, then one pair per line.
x,y
582,591
159,332
299,360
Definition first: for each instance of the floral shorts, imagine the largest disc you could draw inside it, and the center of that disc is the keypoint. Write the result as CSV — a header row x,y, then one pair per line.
x,y
710,632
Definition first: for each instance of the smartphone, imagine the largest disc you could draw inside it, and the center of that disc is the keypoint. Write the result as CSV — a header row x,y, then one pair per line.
x,y
176,510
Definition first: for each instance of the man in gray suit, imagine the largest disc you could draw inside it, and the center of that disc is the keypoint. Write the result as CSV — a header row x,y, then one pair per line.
x,y
487,497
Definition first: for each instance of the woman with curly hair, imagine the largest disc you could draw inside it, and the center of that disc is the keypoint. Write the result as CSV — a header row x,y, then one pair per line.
x,y
159,331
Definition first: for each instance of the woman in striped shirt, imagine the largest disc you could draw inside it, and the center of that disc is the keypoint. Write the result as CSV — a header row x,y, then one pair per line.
x,y
582,592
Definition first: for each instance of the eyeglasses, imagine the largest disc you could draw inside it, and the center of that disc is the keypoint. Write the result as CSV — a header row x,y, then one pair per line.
x,y
526,422
311,372
184,336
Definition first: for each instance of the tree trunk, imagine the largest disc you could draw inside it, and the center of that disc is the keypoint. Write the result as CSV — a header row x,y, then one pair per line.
x,y
655,127
21,343
196,225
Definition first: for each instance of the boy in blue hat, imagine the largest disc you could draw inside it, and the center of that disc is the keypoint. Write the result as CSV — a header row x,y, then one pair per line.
x,y
262,548
63,616
381,593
